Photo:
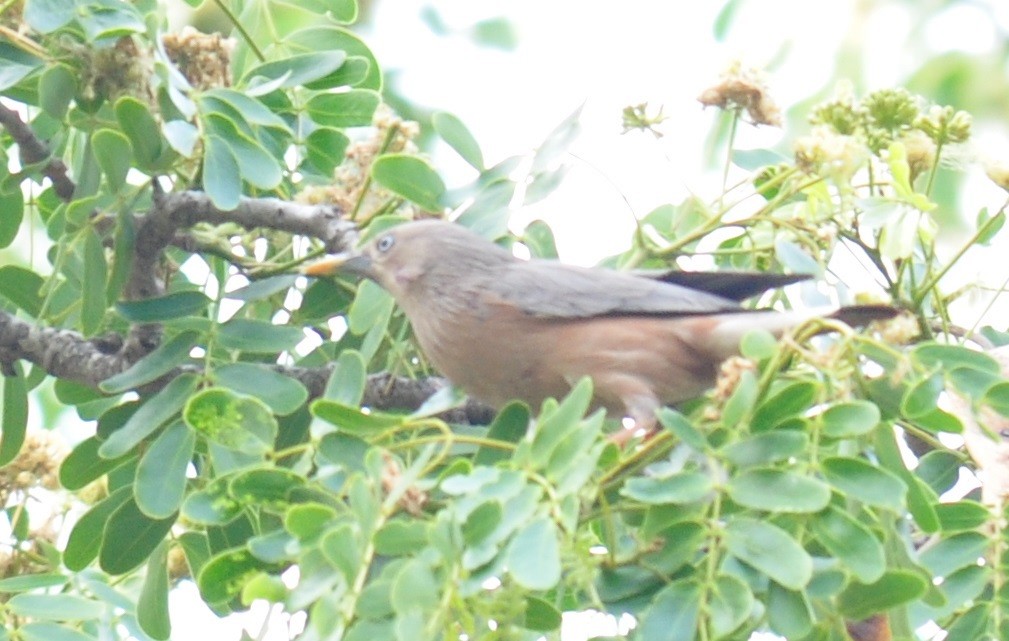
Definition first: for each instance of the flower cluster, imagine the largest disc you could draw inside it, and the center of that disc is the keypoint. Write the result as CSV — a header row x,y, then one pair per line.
x,y
743,88
203,58
847,131
352,190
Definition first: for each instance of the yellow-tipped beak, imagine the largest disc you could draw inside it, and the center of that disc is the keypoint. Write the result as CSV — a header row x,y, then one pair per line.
x,y
350,263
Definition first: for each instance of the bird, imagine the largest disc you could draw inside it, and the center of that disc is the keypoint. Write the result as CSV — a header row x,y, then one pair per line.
x,y
504,328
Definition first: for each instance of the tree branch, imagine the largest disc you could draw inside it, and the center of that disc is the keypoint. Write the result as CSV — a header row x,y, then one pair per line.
x,y
69,355
33,151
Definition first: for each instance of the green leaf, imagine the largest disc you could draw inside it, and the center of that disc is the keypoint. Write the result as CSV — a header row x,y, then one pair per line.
x,y
86,536
677,489
45,631
851,542
353,108
243,110
681,426
962,515
790,401
741,401
454,132
777,490
342,547
851,418
539,238
212,505
533,556
27,582
264,586
151,415
861,480
109,20
411,177
415,586
83,465
12,204
152,605
402,537
940,469
347,382
57,86
241,423
93,295
949,357
770,550
922,397
758,344
673,613
306,521
481,522
258,337
731,603
46,16
509,426
255,164
352,419
153,366
371,307
181,136
222,577
135,120
55,607
896,587
113,152
161,474
945,556
766,448
790,613
162,308
541,615
222,179
754,159
319,38
283,394
326,148
297,69
266,487
21,287
130,538
13,417
555,424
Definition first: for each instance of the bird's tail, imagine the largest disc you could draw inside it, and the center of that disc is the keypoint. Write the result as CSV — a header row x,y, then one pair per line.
x,y
860,315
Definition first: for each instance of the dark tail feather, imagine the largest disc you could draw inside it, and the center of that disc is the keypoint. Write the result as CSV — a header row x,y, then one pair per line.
x,y
859,315
732,285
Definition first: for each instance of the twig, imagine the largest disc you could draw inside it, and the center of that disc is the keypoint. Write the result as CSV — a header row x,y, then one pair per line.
x,y
35,151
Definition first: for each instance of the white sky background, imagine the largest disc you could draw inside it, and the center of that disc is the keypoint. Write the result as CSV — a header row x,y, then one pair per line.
x,y
610,55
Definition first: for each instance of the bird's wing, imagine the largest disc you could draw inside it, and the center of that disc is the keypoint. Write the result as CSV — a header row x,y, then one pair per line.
x,y
552,290
733,285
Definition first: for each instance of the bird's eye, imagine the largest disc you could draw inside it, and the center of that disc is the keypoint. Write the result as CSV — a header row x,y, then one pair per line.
x,y
385,243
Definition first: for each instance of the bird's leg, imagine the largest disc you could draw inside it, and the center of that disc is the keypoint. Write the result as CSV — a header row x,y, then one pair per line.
x,y
640,421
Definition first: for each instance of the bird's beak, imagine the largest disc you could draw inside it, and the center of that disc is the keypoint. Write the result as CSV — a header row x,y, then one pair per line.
x,y
359,264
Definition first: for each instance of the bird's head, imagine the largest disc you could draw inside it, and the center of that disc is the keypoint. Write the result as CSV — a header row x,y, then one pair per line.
x,y
407,259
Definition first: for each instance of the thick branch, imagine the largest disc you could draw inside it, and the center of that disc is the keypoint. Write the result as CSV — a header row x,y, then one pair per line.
x,y
179,210
62,353
33,151
68,355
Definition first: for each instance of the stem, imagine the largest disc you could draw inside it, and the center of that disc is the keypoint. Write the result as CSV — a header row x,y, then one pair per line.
x,y
929,284
366,185
935,168
733,125
246,36
21,41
